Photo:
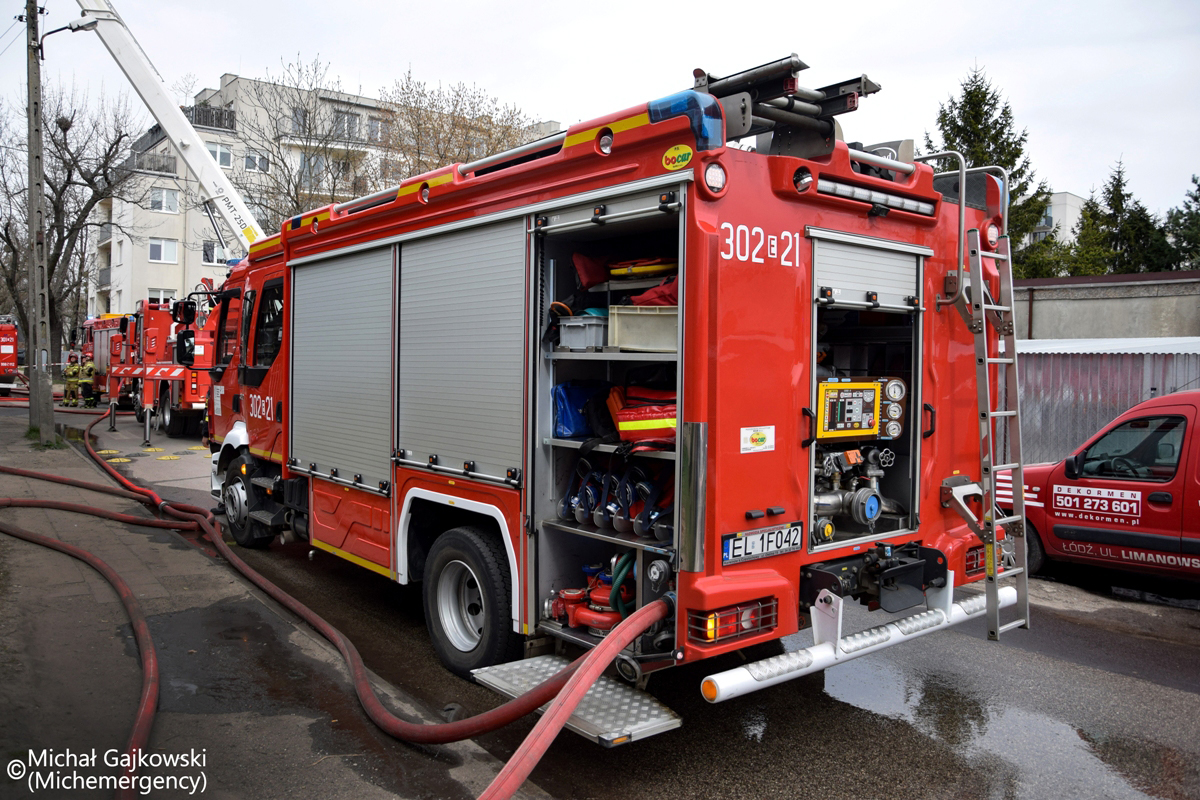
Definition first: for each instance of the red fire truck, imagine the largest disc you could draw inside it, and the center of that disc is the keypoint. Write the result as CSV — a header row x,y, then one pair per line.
x,y
8,354
142,368
769,411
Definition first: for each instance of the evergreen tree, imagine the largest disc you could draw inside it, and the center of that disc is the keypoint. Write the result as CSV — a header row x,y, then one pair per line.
x,y
1134,236
1047,258
979,124
1090,254
1183,226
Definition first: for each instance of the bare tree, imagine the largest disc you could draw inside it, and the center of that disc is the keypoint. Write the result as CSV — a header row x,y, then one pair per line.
x,y
85,155
432,126
305,139
310,143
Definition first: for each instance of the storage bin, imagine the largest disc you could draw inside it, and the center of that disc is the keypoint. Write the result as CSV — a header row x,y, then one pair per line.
x,y
582,333
648,329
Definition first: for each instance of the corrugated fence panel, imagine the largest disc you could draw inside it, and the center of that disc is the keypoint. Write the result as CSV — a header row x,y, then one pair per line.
x,y
1067,397
341,389
462,334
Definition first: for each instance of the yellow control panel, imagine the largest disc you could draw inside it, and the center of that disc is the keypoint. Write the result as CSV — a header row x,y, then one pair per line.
x,y
860,409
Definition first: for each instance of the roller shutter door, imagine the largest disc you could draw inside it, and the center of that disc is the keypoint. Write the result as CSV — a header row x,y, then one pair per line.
x,y
341,365
462,324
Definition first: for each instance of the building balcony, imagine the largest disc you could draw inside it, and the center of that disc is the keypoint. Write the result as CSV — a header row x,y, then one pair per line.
x,y
103,277
157,163
104,235
211,117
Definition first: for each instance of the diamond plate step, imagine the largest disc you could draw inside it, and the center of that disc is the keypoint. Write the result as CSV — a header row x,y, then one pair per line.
x,y
611,713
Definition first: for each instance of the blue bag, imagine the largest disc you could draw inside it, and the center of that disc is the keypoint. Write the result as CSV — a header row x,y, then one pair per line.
x,y
570,419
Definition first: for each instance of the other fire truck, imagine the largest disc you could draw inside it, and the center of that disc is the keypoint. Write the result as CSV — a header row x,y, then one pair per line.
x,y
142,367
8,354
1128,498
810,407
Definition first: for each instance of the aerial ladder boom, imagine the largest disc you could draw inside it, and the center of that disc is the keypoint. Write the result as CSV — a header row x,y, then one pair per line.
x,y
100,16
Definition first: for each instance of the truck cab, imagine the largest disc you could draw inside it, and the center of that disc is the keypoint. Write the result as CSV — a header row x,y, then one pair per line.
x,y
1127,498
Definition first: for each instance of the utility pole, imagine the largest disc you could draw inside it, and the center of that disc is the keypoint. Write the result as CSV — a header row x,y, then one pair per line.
x,y
41,393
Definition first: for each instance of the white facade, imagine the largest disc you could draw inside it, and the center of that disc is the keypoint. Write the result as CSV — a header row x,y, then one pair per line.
x,y
1062,215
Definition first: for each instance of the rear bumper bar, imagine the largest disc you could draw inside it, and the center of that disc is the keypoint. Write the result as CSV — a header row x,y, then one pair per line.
x,y
830,648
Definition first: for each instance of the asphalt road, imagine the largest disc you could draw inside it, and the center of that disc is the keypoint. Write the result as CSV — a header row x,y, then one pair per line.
x,y
1101,698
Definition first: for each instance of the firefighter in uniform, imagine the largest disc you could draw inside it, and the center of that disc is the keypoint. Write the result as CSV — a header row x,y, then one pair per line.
x,y
71,380
88,384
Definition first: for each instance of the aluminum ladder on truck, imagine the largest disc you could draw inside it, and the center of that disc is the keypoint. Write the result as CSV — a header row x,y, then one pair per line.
x,y
996,376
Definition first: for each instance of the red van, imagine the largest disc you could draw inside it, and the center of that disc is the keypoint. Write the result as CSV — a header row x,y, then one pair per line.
x,y
1128,498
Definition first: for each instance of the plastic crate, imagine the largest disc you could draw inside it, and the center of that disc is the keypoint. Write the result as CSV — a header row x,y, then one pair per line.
x,y
647,329
582,333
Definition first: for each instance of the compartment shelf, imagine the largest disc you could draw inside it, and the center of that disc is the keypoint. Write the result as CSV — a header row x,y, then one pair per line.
x,y
650,545
610,355
574,444
635,283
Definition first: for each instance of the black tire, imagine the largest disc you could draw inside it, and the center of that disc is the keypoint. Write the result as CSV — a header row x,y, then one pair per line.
x,y
1035,551
468,609
5,392
173,422
139,413
194,423
236,494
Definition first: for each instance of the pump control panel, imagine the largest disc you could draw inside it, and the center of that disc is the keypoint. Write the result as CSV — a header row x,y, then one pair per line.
x,y
857,409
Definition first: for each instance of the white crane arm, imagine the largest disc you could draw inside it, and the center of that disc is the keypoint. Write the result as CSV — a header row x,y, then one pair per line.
x,y
148,84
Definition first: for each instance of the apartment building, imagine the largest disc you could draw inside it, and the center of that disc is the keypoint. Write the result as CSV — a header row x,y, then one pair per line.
x,y
160,243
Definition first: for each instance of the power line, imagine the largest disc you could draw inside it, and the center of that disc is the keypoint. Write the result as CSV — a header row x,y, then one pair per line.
x,y
10,44
10,27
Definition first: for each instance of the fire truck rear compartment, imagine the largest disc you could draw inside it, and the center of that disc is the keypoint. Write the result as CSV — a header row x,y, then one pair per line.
x,y
580,550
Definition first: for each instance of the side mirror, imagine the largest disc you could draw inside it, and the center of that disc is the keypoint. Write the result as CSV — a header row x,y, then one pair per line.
x,y
184,312
74,338
1166,451
185,348
124,325
1072,466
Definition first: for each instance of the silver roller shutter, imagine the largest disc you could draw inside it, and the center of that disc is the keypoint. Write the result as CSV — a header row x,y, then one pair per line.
x,y
462,343
341,365
852,270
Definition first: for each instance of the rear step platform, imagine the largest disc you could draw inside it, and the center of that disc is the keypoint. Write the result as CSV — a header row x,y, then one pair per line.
x,y
611,713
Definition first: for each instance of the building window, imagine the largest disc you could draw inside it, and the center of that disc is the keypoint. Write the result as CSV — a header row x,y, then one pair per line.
x,y
345,125
376,129
1048,220
312,167
258,209
220,153
257,162
299,120
212,253
165,200
120,253
161,295
164,251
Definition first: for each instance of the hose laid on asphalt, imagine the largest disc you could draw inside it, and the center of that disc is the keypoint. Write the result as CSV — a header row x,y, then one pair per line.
x,y
192,518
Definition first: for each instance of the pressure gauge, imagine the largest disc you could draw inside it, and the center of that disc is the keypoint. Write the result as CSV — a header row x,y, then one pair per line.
x,y
894,410
893,429
895,390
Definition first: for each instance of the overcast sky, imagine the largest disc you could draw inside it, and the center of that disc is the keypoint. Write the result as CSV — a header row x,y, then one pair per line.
x,y
1093,82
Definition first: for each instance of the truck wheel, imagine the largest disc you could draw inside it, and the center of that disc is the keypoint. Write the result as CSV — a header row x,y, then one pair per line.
x,y
1036,552
236,495
139,413
172,421
467,601
5,391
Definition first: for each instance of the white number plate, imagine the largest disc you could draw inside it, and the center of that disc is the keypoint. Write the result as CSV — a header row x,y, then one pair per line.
x,y
749,545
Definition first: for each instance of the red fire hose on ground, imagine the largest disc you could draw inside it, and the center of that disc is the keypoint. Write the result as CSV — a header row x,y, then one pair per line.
x,y
577,677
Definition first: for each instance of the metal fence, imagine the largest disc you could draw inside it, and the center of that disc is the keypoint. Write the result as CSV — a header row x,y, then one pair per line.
x,y
1066,397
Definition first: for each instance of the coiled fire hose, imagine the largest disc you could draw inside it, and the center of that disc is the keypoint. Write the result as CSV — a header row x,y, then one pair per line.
x,y
577,677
